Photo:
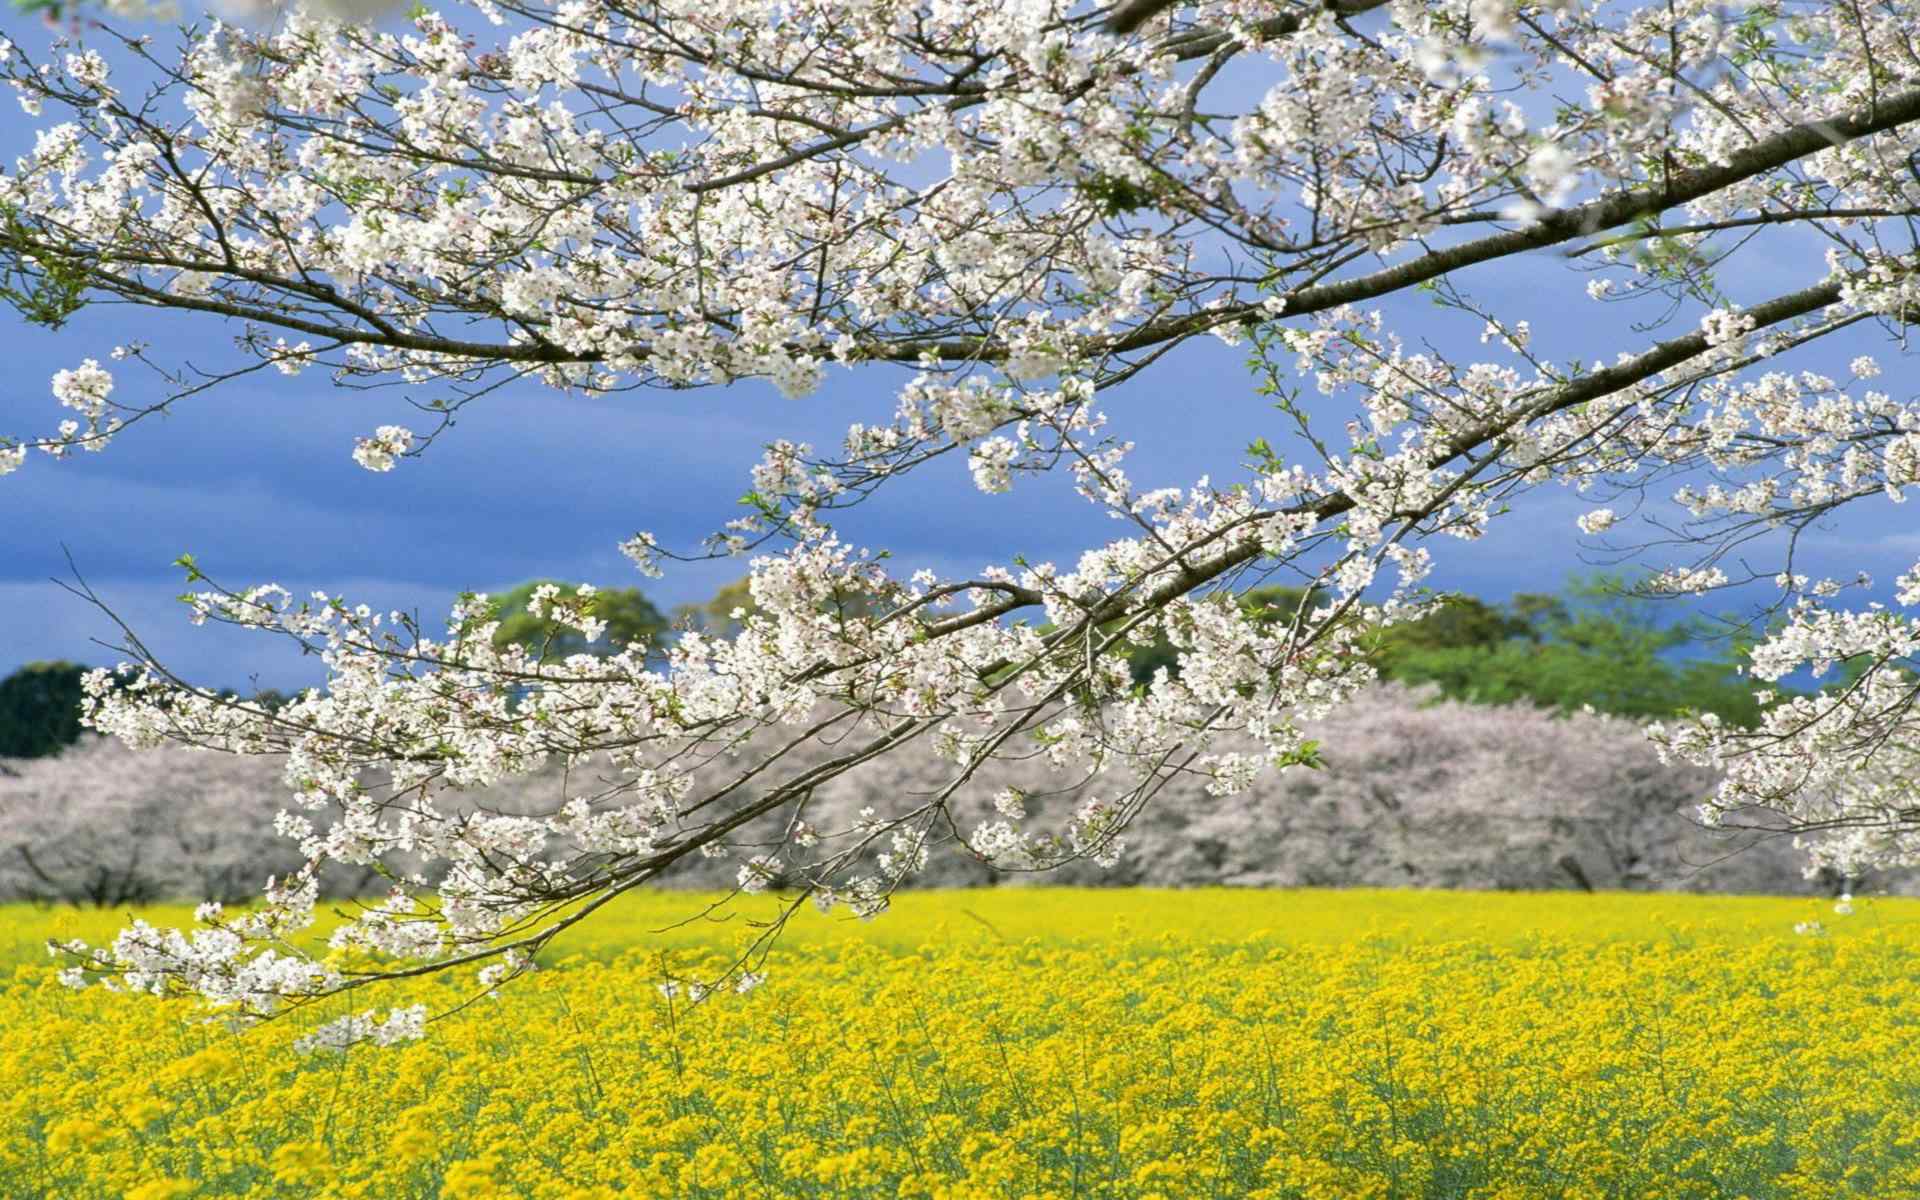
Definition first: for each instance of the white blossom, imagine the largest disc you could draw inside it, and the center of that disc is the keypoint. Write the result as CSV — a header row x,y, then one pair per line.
x,y
402,1025
379,452
1598,521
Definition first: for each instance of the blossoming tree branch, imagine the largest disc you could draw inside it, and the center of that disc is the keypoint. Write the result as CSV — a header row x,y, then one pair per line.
x,y
1008,209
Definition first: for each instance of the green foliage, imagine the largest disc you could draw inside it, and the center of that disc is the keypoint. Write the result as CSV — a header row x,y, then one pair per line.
x,y
1277,602
1594,645
45,289
628,614
1537,611
1566,677
1114,196
1599,646
40,709
1461,623
715,616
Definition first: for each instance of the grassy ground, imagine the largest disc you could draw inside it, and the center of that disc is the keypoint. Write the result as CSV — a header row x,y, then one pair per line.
x,y
1030,1042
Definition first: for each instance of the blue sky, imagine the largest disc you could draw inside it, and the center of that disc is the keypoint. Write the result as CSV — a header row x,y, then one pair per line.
x,y
255,480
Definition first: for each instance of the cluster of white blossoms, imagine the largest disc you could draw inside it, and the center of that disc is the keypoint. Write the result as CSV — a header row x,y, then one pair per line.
x,y
1843,761
378,452
1019,206
402,1025
1598,521
85,390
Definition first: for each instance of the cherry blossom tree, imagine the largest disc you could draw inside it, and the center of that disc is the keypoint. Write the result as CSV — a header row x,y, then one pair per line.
x,y
105,825
1017,206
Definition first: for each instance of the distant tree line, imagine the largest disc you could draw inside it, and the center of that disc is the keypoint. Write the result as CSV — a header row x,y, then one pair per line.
x,y
102,825
1415,790
1596,644
40,709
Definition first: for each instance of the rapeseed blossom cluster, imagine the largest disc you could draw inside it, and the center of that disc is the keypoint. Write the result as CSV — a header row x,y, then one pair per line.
x,y
1030,1042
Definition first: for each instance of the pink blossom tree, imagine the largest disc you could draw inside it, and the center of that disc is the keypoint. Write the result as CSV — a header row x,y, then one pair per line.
x,y
1026,204
108,826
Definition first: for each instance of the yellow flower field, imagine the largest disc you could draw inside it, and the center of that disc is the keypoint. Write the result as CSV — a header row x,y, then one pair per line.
x,y
1036,1043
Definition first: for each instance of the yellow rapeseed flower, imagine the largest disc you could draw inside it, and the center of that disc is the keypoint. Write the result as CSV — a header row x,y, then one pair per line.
x,y
1050,1044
